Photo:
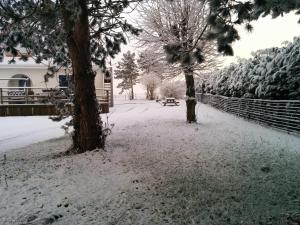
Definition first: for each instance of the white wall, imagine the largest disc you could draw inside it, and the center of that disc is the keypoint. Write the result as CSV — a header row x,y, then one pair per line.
x,y
99,82
37,76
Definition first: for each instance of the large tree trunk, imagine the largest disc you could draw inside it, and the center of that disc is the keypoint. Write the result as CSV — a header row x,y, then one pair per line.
x,y
190,96
86,119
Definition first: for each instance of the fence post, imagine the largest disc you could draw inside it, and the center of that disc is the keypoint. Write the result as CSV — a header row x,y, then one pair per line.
x,y
239,102
107,96
111,92
1,96
26,95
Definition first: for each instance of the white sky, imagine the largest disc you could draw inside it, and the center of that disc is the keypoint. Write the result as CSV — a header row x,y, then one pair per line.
x,y
267,33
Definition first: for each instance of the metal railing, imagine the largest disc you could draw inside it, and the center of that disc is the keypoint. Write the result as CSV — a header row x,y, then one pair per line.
x,y
280,114
41,95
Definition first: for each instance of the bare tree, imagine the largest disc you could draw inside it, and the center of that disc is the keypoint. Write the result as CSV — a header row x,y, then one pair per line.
x,y
153,59
151,82
173,89
178,29
150,66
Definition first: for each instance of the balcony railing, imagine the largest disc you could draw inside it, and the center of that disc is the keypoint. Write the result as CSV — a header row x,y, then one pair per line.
x,y
42,95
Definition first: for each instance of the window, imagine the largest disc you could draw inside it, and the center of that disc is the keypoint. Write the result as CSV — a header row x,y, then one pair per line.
x,y
63,80
24,83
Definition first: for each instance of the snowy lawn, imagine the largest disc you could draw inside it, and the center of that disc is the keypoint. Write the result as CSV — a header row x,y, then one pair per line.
x,y
158,170
16,132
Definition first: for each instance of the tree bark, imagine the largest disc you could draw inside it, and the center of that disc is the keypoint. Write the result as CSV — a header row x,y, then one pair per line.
x,y
151,94
86,119
190,96
188,68
147,93
132,93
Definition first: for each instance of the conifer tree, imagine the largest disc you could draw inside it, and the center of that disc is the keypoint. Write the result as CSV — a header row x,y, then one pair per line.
x,y
72,33
127,72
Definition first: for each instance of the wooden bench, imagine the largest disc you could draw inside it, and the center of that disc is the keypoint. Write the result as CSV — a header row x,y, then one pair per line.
x,y
170,101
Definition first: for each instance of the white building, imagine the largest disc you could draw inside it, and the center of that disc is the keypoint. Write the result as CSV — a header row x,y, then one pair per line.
x,y
22,79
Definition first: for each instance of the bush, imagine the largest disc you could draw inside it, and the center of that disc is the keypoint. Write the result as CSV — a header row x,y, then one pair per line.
x,y
271,74
175,89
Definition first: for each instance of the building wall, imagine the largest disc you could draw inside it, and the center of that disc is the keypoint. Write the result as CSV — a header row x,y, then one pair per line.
x,y
37,77
99,83
36,74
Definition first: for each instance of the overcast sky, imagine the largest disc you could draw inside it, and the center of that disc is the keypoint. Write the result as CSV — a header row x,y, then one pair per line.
x,y
267,33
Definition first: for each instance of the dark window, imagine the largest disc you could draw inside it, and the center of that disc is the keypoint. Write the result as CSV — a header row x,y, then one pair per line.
x,y
24,83
107,77
63,81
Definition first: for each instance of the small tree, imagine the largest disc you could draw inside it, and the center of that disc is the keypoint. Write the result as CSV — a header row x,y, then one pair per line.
x,y
127,71
151,82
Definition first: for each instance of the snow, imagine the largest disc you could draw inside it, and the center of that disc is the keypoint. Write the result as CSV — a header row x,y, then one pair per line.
x,y
157,169
256,77
18,132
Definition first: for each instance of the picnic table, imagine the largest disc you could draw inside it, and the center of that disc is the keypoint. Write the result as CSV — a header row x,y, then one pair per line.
x,y
170,101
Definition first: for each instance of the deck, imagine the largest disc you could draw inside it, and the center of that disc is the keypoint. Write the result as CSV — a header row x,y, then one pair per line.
x,y
37,101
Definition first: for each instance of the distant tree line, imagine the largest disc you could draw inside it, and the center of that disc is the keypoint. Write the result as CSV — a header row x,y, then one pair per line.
x,y
151,72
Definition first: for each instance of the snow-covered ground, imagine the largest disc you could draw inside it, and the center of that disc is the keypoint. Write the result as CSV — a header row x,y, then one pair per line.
x,y
16,132
157,170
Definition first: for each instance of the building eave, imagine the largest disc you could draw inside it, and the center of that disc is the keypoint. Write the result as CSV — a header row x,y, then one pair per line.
x,y
22,66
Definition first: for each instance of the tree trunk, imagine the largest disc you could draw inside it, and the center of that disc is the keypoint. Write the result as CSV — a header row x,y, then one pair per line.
x,y
188,67
147,93
132,94
86,118
151,93
190,96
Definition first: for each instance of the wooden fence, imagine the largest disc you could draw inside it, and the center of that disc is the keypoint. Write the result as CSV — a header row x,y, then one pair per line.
x,y
280,114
